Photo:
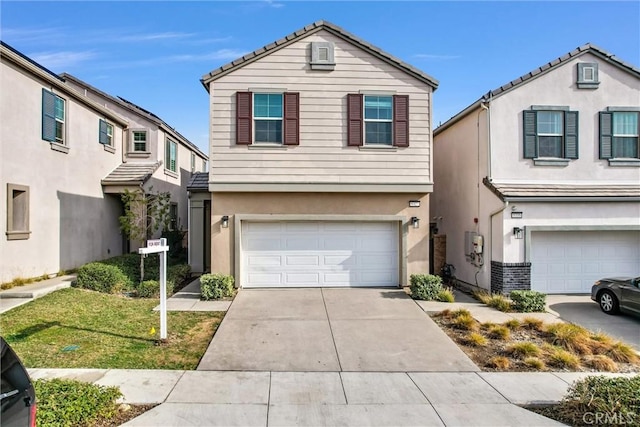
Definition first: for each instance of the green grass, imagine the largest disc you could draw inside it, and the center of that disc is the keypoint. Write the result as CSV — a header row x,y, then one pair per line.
x,y
109,331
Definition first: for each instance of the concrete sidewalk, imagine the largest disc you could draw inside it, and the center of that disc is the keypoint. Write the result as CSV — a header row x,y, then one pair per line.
x,y
14,297
229,398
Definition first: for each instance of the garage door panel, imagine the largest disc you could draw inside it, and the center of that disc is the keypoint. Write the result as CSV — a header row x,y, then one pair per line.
x,y
320,254
264,244
557,268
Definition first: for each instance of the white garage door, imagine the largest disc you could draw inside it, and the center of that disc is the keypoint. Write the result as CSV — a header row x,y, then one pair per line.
x,y
307,254
570,261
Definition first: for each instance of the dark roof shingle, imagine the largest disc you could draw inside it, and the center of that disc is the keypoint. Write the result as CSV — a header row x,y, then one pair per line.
x,y
199,182
131,174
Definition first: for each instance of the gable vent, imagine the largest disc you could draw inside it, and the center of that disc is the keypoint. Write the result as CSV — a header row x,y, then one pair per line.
x,y
322,56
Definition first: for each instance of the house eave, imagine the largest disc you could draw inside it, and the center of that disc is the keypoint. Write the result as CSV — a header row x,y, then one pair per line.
x,y
287,187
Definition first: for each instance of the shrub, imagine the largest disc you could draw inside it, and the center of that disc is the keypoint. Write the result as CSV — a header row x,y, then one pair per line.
x,y
621,352
512,324
73,403
460,311
475,339
535,363
572,337
499,332
499,362
608,396
482,296
532,323
179,273
561,358
465,322
528,301
499,302
216,286
523,349
600,362
446,313
101,277
425,286
151,289
445,295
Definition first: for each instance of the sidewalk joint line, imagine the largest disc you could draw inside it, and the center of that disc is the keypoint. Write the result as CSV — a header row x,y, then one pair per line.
x,y
335,346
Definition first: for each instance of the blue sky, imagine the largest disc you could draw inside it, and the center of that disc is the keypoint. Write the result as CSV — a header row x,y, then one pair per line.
x,y
154,53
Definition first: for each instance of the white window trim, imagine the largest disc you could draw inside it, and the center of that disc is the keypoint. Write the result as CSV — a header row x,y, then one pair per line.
x,y
365,120
132,145
254,118
63,140
167,166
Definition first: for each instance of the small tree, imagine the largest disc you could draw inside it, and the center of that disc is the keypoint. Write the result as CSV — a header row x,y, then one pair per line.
x,y
144,214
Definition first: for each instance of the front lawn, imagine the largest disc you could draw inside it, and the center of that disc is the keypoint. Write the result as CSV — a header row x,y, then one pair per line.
x,y
74,328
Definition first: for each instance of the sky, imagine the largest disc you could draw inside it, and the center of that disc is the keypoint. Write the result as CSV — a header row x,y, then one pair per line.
x,y
155,53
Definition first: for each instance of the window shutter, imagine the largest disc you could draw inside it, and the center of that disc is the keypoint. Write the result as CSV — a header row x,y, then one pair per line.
x,y
606,135
244,116
530,149
48,116
571,134
354,118
104,138
291,120
401,120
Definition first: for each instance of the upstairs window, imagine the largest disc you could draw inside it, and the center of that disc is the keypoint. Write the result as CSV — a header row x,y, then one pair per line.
x,y
377,120
193,162
106,133
53,117
171,155
619,134
267,118
139,138
550,132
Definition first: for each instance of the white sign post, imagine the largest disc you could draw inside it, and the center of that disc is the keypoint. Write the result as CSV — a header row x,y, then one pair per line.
x,y
153,247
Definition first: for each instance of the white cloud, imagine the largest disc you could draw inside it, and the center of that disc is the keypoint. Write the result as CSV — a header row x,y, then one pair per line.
x,y
33,35
274,4
435,57
151,37
62,60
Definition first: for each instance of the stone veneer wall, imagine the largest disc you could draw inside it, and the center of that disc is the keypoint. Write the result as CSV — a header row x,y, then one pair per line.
x,y
510,277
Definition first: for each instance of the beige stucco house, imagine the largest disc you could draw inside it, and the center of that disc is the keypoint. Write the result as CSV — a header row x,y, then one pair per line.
x,y
543,174
322,170
65,155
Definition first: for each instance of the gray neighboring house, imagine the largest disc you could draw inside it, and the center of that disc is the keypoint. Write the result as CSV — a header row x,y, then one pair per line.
x,y
537,183
67,151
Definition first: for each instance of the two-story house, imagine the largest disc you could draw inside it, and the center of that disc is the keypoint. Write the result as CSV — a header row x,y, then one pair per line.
x,y
322,170
67,153
537,183
155,157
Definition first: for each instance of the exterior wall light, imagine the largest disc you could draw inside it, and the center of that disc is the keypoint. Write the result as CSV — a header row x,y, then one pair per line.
x,y
518,232
225,221
415,221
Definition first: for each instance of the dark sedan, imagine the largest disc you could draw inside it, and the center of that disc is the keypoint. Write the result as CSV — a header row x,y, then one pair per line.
x,y
18,398
617,294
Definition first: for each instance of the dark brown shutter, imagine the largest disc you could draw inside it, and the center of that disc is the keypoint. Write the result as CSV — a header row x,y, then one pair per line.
x,y
291,118
243,118
401,120
354,119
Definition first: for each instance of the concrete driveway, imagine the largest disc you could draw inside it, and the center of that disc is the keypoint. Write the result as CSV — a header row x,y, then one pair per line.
x,y
289,330
579,309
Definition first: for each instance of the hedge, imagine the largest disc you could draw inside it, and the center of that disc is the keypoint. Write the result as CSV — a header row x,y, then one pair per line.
x,y
425,286
216,286
528,301
102,278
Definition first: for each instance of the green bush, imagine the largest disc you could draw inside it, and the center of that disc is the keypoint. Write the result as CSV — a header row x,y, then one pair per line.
x,y
425,286
528,301
216,286
613,397
446,295
101,277
73,403
178,273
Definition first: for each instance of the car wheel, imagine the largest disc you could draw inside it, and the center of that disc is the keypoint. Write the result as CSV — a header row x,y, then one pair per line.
x,y
608,302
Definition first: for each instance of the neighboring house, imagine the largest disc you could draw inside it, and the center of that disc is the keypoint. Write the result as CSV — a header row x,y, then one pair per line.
x,y
66,155
156,157
546,169
322,148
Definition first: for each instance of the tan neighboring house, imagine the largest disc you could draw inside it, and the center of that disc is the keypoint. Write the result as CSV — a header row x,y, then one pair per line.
x,y
322,171
543,175
61,153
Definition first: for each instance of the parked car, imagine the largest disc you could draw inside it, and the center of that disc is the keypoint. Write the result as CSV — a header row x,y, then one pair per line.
x,y
17,395
617,294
